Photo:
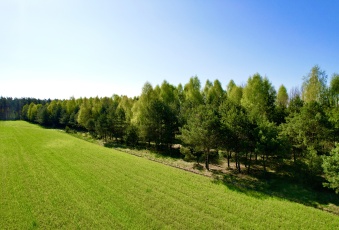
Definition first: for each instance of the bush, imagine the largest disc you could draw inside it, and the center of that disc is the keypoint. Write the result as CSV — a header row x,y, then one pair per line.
x,y
68,130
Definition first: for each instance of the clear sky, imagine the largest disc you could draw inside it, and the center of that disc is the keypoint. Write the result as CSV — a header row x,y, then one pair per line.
x,y
63,48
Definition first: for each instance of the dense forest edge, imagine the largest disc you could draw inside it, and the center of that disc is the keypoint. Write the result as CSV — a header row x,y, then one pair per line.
x,y
255,129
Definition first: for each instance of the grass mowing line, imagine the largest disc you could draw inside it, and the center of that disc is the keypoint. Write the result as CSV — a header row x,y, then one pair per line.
x,y
131,192
60,165
16,192
57,157
56,198
183,200
49,199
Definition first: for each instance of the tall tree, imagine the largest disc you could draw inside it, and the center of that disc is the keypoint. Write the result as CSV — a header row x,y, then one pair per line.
x,y
43,117
85,118
191,98
202,131
334,89
54,111
234,92
32,112
141,114
314,85
169,97
281,105
282,96
213,93
268,143
259,98
237,132
308,133
295,102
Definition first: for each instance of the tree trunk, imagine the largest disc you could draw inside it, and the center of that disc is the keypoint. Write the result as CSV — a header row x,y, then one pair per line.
x,y
207,160
236,160
238,165
264,162
249,164
229,154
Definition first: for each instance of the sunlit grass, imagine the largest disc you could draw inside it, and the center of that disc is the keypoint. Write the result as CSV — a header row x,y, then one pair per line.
x,y
52,180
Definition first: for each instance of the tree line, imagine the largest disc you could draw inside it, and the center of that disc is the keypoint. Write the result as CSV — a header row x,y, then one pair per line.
x,y
252,126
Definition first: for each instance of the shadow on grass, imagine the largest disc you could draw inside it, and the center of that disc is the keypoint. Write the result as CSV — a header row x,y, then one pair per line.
x,y
263,186
159,152
258,185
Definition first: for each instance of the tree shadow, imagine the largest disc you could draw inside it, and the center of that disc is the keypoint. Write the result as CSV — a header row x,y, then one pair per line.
x,y
262,185
265,185
158,151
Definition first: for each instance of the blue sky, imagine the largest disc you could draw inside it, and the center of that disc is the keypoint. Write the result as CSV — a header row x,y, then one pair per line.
x,y
63,48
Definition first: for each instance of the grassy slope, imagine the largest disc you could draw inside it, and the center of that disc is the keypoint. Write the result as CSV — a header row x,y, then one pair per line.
x,y
52,180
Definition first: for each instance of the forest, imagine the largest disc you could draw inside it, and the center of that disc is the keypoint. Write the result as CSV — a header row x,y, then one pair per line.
x,y
254,127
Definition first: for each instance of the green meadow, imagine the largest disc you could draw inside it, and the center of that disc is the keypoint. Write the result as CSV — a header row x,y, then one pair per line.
x,y
52,180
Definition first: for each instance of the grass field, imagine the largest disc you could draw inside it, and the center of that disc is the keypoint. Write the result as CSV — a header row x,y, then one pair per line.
x,y
51,180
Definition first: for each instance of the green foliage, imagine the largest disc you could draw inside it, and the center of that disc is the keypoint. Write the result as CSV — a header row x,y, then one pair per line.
x,y
234,92
54,111
42,115
331,169
201,133
238,131
259,98
131,136
314,85
213,93
32,112
295,104
24,112
156,114
334,90
191,98
85,113
268,141
282,96
309,135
